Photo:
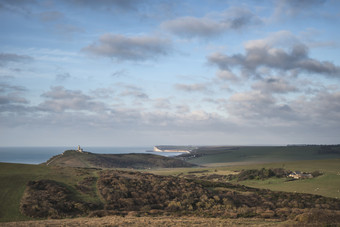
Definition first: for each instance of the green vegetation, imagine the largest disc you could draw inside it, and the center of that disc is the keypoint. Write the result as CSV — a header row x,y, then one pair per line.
x,y
261,174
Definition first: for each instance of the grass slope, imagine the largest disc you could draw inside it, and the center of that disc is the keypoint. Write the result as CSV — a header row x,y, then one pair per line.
x,y
14,178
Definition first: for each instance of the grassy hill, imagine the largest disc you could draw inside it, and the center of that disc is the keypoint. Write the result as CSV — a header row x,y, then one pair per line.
x,y
73,158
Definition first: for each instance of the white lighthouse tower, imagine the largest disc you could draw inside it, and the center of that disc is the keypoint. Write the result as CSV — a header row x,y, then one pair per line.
x,y
80,149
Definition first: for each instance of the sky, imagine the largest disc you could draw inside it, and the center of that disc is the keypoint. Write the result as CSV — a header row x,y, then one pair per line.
x,y
151,72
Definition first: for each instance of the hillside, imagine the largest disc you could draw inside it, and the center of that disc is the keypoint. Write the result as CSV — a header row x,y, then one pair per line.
x,y
73,158
40,191
123,192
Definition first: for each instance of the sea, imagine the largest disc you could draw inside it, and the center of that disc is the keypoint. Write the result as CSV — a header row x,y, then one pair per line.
x,y
37,155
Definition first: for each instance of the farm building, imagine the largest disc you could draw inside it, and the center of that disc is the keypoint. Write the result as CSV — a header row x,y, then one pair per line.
x,y
300,175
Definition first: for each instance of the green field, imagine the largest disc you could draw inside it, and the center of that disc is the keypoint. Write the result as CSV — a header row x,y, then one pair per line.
x,y
327,184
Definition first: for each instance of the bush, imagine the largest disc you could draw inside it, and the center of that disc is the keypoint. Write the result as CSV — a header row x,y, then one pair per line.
x,y
261,174
316,173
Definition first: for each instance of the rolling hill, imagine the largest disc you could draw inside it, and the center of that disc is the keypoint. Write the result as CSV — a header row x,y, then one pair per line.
x,y
74,158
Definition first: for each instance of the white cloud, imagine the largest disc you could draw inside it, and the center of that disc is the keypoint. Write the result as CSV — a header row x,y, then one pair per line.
x,y
10,57
293,57
136,48
133,91
226,75
191,87
211,25
60,99
274,85
190,27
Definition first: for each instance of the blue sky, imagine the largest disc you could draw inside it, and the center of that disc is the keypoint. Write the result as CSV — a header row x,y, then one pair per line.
x,y
147,72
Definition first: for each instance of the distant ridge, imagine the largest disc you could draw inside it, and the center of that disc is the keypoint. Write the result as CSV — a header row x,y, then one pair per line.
x,y
75,158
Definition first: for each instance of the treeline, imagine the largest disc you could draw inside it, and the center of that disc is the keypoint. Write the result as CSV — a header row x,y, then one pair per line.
x,y
261,174
329,149
248,174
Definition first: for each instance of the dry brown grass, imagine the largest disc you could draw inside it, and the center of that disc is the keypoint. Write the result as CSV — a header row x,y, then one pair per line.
x,y
151,222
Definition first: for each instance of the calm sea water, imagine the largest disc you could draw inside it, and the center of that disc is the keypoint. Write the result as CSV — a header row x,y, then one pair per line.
x,y
37,155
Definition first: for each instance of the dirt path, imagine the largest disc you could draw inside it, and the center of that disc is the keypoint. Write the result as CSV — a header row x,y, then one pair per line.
x,y
151,222
57,157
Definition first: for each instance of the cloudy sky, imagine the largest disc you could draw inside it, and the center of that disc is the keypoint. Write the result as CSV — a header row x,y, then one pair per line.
x,y
147,72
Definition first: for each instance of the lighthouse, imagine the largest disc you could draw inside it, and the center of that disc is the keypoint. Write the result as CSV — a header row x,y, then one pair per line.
x,y
80,149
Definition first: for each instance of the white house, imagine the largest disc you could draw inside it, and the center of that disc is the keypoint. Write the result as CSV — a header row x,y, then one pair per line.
x,y
300,175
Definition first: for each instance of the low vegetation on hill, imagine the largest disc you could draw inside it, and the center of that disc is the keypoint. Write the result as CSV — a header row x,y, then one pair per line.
x,y
145,193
